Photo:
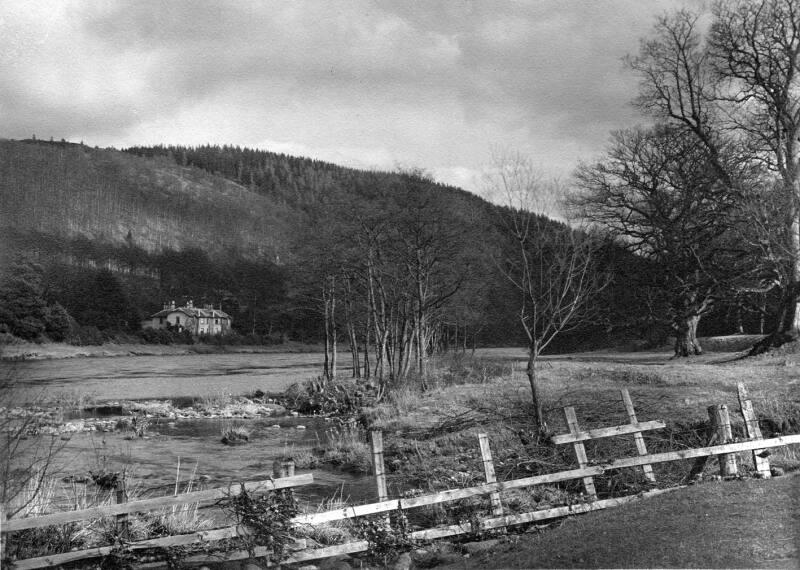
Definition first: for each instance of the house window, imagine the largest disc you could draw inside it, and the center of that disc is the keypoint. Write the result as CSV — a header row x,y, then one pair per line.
x,y
216,321
177,320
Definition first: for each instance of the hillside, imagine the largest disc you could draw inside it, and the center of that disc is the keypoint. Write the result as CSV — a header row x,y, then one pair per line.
x,y
260,233
71,190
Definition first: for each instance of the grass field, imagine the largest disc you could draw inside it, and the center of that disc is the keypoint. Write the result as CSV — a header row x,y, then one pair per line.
x,y
735,524
432,444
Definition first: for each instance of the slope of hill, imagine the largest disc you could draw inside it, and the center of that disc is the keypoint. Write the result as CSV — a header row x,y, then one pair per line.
x,y
71,190
259,232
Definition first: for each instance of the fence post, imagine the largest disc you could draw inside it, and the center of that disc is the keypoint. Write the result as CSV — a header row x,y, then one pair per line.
x,y
753,432
283,468
122,497
721,425
638,437
488,469
580,451
376,437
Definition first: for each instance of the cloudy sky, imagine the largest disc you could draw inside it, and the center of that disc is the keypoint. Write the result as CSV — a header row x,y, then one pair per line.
x,y
371,84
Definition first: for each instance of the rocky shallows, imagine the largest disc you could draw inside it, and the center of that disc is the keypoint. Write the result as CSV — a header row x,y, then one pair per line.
x,y
132,416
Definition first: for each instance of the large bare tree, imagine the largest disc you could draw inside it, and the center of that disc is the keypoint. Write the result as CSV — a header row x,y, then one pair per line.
x,y
737,83
659,193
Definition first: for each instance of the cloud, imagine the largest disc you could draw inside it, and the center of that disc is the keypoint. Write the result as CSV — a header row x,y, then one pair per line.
x,y
433,84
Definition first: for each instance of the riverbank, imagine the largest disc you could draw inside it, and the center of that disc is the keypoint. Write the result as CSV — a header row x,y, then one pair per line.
x,y
57,350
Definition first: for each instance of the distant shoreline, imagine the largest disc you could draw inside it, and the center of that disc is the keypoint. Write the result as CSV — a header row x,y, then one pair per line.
x,y
26,351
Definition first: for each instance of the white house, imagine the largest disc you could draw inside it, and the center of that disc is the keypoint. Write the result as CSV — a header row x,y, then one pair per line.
x,y
207,320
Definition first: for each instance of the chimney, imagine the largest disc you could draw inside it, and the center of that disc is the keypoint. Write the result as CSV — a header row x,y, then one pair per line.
x,y
172,305
190,304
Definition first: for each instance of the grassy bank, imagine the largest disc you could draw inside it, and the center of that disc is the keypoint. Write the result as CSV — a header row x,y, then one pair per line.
x,y
431,445
734,524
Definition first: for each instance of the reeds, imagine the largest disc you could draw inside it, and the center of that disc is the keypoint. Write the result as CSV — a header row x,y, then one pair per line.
x,y
235,434
43,495
333,532
347,446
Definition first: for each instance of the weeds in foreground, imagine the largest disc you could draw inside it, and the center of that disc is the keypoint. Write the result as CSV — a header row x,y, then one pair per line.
x,y
387,536
52,497
268,517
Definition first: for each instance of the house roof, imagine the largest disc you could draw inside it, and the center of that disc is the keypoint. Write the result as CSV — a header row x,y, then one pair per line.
x,y
193,312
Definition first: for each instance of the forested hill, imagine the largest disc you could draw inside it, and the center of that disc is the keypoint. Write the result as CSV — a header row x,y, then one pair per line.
x,y
221,200
272,238
71,191
302,183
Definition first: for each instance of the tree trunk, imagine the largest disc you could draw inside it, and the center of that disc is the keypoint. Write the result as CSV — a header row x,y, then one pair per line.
x,y
354,350
326,366
686,343
351,330
538,412
333,328
787,327
329,306
367,373
788,322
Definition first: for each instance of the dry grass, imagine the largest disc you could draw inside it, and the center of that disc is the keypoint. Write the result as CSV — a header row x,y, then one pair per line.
x,y
739,524
49,496
334,532
234,433
346,445
433,443
303,458
219,398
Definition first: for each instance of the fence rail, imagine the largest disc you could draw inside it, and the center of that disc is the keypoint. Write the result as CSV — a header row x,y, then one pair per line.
x,y
156,503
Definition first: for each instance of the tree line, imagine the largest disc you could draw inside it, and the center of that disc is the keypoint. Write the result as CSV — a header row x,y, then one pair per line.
x,y
710,190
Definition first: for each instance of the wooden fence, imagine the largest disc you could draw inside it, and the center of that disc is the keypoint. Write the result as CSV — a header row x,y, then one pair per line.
x,y
723,446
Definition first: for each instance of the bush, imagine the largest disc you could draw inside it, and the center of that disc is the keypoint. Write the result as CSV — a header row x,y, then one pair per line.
x,y
320,397
235,435
347,446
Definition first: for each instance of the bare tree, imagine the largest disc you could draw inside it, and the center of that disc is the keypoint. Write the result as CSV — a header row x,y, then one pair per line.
x,y
738,84
658,192
551,265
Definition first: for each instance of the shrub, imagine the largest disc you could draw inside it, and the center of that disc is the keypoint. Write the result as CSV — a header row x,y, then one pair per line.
x,y
320,397
347,446
235,434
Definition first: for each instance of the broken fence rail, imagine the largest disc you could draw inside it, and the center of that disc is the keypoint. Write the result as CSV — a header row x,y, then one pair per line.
x,y
232,490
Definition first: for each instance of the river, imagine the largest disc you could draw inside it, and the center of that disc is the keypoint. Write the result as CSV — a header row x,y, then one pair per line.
x,y
147,377
196,444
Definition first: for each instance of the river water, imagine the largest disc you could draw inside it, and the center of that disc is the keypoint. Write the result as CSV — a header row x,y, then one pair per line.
x,y
194,444
147,377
